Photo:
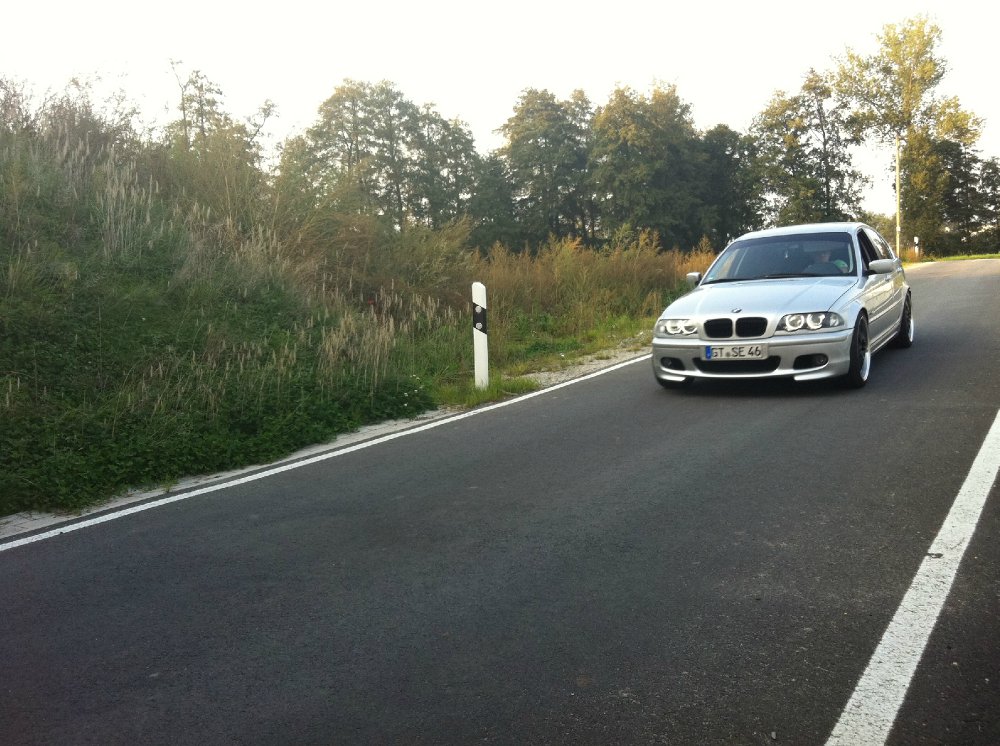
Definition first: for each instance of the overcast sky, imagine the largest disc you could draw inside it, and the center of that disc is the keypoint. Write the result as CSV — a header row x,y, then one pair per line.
x,y
472,60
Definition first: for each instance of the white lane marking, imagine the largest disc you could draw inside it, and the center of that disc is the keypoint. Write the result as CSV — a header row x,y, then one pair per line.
x,y
872,709
304,462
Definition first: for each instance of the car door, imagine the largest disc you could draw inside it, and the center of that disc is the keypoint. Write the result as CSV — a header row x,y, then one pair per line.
x,y
898,281
877,291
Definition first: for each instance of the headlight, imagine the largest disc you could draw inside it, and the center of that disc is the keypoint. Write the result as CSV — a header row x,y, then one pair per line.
x,y
675,327
809,322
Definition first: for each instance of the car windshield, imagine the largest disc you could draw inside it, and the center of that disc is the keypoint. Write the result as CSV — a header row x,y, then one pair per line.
x,y
793,255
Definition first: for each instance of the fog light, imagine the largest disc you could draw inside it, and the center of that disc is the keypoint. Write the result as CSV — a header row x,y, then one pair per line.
x,y
803,362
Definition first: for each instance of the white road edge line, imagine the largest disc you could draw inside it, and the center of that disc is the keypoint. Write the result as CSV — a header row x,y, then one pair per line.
x,y
872,709
104,518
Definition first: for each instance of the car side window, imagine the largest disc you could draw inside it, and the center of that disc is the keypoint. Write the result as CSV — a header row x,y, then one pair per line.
x,y
868,252
880,244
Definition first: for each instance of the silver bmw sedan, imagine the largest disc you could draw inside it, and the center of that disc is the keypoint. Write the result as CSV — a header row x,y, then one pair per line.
x,y
802,302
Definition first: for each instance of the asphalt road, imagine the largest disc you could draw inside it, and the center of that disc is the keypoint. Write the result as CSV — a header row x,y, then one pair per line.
x,y
606,562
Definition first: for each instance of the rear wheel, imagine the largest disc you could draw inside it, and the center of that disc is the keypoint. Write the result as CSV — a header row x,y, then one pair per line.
x,y
904,337
861,356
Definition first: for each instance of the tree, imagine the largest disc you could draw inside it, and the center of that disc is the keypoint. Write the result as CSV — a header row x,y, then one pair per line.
x,y
924,183
374,152
988,203
621,161
492,207
200,106
581,200
646,163
892,95
393,126
732,190
958,176
546,156
335,153
444,170
804,159
678,168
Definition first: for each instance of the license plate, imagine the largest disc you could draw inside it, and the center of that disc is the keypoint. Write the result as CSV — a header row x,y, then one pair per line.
x,y
736,352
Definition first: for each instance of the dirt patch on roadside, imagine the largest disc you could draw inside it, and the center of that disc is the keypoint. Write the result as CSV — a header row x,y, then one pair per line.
x,y
585,365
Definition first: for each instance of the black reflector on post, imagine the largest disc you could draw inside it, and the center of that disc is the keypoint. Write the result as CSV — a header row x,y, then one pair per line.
x,y
479,318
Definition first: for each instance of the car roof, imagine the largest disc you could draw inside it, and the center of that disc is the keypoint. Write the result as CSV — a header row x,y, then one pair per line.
x,y
842,227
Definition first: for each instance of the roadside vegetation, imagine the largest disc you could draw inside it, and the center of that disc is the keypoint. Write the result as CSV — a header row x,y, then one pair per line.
x,y
958,257
147,337
184,300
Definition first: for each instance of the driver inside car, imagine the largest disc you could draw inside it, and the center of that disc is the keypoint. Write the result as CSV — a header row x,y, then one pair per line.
x,y
821,265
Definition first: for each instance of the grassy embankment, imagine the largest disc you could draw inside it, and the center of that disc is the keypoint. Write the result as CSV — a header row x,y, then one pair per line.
x,y
146,336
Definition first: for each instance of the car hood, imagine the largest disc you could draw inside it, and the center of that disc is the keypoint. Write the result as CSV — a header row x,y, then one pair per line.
x,y
762,297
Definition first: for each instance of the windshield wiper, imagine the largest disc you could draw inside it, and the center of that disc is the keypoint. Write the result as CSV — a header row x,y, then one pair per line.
x,y
752,279
728,279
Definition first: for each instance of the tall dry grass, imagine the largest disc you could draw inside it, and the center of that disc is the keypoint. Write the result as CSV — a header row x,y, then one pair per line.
x,y
580,286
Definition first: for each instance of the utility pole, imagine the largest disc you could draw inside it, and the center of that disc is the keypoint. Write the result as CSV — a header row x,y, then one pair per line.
x,y
898,216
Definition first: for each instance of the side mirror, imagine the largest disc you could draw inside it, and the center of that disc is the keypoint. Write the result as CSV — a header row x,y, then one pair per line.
x,y
693,278
882,266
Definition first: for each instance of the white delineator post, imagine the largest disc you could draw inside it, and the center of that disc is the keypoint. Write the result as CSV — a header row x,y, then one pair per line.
x,y
479,335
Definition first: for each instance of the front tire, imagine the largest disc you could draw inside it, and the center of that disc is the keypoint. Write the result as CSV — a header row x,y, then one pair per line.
x,y
861,356
904,337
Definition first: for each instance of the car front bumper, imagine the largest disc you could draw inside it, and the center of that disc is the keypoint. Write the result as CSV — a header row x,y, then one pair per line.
x,y
803,357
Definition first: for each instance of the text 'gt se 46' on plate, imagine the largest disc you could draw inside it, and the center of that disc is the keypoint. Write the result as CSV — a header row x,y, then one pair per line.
x,y
736,352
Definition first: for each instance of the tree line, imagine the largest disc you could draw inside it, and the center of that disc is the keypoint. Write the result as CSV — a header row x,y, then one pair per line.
x,y
374,163
568,168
